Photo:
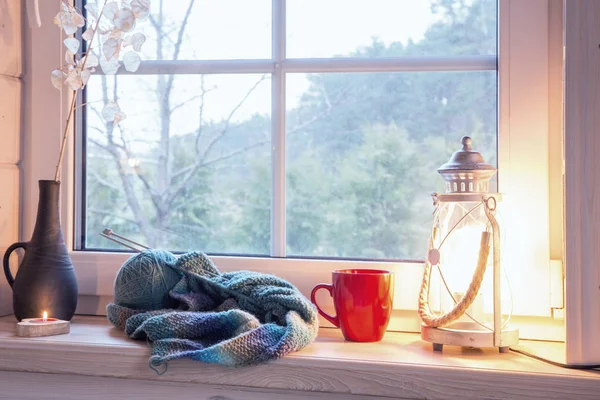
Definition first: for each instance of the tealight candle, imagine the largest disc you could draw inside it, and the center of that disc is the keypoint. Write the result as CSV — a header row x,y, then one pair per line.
x,y
36,327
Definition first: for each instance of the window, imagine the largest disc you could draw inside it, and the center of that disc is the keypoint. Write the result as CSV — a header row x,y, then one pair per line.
x,y
357,120
317,148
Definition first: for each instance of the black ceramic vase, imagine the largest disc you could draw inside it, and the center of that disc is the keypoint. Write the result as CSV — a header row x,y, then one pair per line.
x,y
45,280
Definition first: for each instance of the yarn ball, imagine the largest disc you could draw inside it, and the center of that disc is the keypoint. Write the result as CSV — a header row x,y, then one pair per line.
x,y
145,280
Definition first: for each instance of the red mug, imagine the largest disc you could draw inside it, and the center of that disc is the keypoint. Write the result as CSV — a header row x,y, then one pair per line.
x,y
363,302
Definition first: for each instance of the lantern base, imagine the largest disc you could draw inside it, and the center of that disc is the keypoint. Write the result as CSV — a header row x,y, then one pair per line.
x,y
468,334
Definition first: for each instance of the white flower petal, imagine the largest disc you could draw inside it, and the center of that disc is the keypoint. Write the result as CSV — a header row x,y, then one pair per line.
x,y
137,40
111,49
70,29
92,9
114,34
124,20
110,9
88,34
131,61
85,76
63,15
69,19
74,80
140,8
109,67
64,20
59,18
91,60
72,45
77,18
110,110
57,78
119,116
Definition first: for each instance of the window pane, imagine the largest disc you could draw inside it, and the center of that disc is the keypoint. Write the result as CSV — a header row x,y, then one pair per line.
x,y
390,28
362,154
207,29
181,171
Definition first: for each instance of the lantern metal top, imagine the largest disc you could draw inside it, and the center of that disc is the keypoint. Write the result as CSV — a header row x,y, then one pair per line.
x,y
467,171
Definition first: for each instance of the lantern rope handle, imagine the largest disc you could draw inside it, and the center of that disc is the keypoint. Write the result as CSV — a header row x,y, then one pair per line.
x,y
465,302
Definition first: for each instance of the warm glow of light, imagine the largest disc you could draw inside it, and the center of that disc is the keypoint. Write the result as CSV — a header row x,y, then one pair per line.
x,y
460,254
45,316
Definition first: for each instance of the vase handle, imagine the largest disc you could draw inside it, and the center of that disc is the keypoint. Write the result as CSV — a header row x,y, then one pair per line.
x,y
9,277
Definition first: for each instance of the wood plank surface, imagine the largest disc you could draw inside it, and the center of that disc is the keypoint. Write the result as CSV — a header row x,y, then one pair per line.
x,y
30,386
401,366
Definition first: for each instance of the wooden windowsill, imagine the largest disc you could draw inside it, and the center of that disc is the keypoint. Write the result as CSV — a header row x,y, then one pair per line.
x,y
401,366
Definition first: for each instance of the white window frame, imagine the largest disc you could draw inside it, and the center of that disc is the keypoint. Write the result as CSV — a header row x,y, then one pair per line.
x,y
523,71
582,180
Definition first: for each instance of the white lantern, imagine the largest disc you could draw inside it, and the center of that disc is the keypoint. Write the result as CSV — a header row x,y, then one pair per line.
x,y
464,248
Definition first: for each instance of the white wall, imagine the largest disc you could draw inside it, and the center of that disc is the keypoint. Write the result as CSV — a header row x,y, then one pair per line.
x,y
11,71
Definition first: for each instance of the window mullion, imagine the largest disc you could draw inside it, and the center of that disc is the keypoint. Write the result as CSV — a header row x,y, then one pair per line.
x,y
80,203
316,65
278,227
198,67
486,62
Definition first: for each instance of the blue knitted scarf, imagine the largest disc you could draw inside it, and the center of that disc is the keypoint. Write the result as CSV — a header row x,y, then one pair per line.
x,y
233,319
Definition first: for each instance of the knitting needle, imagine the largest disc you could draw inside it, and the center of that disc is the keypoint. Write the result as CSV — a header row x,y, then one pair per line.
x,y
119,242
108,233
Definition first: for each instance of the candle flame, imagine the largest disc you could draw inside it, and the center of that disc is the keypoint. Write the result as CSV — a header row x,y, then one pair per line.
x,y
45,316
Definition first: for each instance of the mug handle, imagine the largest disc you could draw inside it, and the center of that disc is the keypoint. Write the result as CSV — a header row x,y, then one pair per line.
x,y
9,277
334,320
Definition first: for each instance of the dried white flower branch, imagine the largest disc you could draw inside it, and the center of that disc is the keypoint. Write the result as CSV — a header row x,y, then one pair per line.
x,y
111,23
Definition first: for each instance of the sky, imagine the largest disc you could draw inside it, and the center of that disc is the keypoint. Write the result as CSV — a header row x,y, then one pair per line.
x,y
241,29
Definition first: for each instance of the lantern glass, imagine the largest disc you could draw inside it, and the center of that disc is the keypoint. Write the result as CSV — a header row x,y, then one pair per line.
x,y
457,233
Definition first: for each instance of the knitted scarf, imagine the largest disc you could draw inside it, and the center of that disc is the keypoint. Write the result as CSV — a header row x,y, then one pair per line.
x,y
233,319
